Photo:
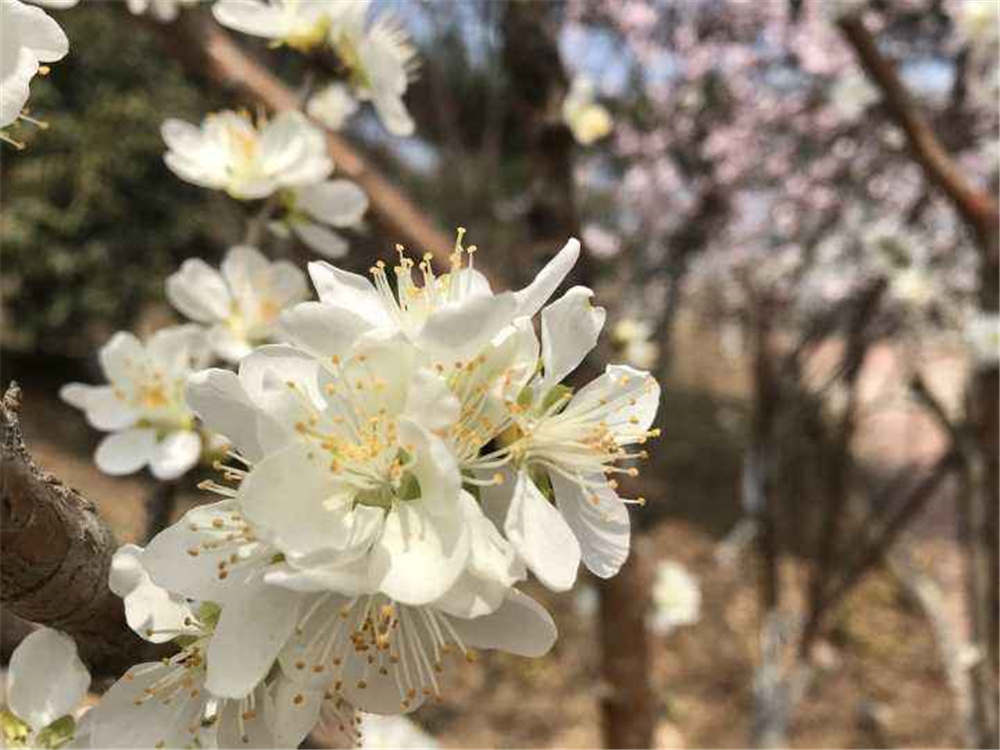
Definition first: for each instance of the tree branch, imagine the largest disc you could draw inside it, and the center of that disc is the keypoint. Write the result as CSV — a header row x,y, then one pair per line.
x,y
976,207
55,552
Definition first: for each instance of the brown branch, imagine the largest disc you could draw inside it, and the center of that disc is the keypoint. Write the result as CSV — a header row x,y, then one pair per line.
x,y
55,552
204,47
627,703
879,543
976,207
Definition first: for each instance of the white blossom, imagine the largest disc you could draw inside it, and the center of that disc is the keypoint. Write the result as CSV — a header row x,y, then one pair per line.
x,y
240,302
46,682
28,37
301,24
380,59
588,120
852,94
316,208
163,11
142,406
229,153
676,598
332,106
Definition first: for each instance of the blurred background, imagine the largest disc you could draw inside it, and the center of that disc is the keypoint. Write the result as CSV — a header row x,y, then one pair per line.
x,y
769,237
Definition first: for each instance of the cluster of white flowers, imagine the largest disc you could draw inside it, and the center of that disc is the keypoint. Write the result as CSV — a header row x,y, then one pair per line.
x,y
378,56
286,156
395,470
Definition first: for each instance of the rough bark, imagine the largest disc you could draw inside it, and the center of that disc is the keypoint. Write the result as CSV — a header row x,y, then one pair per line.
x,y
55,552
627,703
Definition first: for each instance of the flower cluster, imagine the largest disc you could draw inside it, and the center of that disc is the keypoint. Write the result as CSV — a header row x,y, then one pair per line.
x,y
378,57
285,157
397,468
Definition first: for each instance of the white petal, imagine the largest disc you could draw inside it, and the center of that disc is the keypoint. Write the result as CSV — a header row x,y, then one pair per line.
x,y
318,238
252,629
570,327
283,383
618,387
219,399
348,291
321,329
151,611
297,503
296,712
127,717
177,559
226,344
104,410
249,16
430,403
602,527
175,454
199,292
423,554
125,452
394,115
38,31
120,357
520,626
17,75
532,297
435,468
461,329
541,535
332,106
235,729
339,203
45,678
179,349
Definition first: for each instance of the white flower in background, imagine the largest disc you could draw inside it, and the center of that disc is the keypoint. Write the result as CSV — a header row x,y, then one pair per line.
x,y
240,302
588,120
142,406
852,94
978,21
228,153
913,287
381,61
301,24
315,208
982,333
387,732
332,106
163,11
633,336
676,598
46,682
28,37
